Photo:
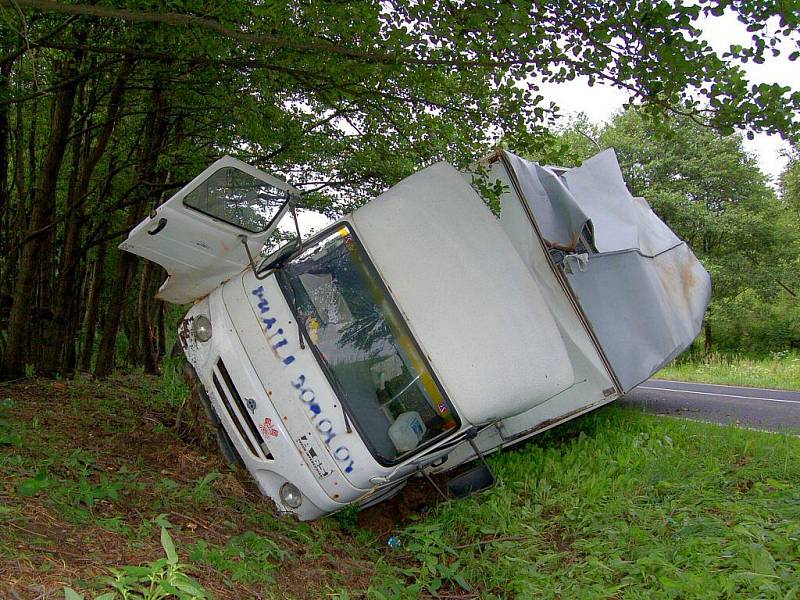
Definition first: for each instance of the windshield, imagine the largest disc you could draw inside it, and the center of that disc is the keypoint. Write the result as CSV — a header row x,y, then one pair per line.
x,y
365,347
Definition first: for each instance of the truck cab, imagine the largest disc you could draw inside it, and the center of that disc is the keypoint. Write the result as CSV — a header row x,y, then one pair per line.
x,y
409,337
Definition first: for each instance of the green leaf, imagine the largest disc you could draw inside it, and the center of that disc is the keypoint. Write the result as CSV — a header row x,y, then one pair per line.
x,y
169,546
761,560
191,587
70,594
462,582
207,479
161,521
31,487
167,589
133,571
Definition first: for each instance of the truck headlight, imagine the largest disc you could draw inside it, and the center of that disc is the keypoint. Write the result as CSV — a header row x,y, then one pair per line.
x,y
290,495
202,328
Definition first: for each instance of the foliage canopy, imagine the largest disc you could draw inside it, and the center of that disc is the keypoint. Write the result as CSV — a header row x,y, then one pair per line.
x,y
712,193
107,107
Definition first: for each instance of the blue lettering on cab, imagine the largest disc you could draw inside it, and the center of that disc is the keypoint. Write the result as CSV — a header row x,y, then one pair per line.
x,y
323,425
263,308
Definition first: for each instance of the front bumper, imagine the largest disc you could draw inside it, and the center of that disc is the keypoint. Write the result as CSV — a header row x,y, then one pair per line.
x,y
260,436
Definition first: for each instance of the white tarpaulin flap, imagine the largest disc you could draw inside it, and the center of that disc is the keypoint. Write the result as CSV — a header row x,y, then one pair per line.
x,y
560,218
620,221
643,292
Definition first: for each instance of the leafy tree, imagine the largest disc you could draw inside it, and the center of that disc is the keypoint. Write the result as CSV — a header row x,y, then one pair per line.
x,y
712,193
790,182
107,107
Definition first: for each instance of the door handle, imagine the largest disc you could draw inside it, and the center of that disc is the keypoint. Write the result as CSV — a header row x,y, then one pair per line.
x,y
162,222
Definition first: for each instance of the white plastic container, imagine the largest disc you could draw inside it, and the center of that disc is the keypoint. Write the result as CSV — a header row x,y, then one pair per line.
x,y
407,431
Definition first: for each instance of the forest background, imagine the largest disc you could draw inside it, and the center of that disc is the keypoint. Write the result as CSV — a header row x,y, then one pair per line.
x,y
106,109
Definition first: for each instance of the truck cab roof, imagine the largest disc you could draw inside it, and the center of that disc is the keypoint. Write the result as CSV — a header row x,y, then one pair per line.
x,y
467,296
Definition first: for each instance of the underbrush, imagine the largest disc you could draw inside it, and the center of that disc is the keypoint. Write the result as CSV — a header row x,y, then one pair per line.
x,y
98,493
776,370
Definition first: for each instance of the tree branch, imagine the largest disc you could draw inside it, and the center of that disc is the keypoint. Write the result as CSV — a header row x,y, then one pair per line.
x,y
174,19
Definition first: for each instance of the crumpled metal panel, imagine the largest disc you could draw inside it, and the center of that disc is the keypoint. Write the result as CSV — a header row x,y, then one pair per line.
x,y
643,291
619,221
561,219
645,311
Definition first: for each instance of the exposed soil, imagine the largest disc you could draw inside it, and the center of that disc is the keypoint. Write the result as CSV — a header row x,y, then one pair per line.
x,y
416,498
41,550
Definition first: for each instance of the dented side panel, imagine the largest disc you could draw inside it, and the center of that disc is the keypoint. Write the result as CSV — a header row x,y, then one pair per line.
x,y
644,310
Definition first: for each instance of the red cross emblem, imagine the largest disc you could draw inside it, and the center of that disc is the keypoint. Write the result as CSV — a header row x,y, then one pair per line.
x,y
267,428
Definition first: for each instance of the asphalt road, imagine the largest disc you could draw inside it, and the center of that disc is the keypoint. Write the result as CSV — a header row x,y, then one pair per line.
x,y
758,408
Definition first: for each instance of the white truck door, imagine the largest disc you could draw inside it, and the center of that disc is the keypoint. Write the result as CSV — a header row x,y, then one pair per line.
x,y
199,234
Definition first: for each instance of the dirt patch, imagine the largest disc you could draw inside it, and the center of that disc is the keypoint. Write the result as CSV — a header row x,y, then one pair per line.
x,y
303,576
51,552
740,460
558,538
42,550
418,497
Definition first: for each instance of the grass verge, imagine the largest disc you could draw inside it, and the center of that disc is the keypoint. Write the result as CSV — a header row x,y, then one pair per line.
x,y
779,370
615,504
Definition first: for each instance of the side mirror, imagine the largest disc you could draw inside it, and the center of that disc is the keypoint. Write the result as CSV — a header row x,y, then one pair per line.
x,y
277,258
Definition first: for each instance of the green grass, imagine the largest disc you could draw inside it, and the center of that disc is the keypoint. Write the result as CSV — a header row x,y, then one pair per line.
x,y
616,504
778,370
620,504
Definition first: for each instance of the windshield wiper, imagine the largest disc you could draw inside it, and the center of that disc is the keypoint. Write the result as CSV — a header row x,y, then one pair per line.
x,y
291,297
278,259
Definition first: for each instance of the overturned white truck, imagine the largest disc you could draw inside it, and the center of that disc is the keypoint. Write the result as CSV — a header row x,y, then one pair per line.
x,y
420,331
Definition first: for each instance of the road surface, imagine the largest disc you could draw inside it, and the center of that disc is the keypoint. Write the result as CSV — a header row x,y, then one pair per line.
x,y
758,408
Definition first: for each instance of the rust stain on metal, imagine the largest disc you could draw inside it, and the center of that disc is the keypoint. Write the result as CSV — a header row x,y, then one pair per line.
x,y
687,276
184,331
670,282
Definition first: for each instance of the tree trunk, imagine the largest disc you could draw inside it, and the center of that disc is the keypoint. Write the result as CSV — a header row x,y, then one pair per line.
x,y
5,72
707,336
19,218
52,351
32,250
131,322
149,353
92,307
162,335
104,364
154,138
67,294
69,359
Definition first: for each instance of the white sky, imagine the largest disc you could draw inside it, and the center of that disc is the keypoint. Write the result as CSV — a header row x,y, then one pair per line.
x,y
599,103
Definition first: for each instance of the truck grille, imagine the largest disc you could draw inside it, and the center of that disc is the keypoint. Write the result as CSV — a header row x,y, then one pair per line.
x,y
237,411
